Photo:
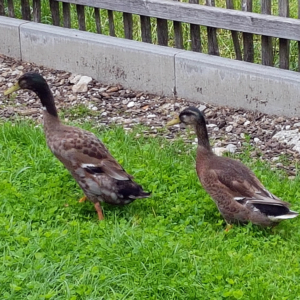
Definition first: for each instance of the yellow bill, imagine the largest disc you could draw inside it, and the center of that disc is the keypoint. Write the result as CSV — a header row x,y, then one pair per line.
x,y
12,89
174,121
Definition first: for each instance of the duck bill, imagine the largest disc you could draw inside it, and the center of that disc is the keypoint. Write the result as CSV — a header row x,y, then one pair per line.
x,y
12,89
174,121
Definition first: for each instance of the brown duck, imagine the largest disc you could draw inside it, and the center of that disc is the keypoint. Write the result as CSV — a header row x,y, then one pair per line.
x,y
238,194
99,175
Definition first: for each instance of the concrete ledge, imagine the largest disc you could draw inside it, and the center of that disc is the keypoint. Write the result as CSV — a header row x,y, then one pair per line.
x,y
9,37
201,77
110,60
153,69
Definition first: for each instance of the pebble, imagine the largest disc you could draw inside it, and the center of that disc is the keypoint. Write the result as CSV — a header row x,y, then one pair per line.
x,y
231,148
229,128
130,104
82,85
119,105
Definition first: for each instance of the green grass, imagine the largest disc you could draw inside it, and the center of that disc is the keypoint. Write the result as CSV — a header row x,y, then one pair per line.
x,y
224,36
170,246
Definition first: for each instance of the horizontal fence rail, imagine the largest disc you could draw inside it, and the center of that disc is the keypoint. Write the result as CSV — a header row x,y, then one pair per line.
x,y
259,37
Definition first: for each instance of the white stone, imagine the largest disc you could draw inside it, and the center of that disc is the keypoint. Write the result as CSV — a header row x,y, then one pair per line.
x,y
231,148
256,140
219,150
74,78
229,128
297,125
202,107
211,125
151,116
275,158
101,90
82,85
287,127
291,137
247,123
130,104
94,108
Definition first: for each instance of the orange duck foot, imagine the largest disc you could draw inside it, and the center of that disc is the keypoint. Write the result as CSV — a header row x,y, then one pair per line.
x,y
228,227
84,198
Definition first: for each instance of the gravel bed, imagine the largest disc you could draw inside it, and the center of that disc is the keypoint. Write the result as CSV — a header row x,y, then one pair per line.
x,y
114,104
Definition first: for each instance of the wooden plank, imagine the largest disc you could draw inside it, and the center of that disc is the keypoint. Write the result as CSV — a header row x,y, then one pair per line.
x,y
10,8
195,33
178,33
280,27
284,44
212,40
81,17
128,26
54,7
146,29
66,15
234,34
248,47
111,23
25,8
266,41
2,11
97,20
162,32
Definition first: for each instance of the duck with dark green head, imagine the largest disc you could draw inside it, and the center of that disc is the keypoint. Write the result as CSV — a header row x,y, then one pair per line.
x,y
237,192
99,175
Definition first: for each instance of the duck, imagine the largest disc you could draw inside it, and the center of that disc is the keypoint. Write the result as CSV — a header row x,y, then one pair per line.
x,y
238,194
99,175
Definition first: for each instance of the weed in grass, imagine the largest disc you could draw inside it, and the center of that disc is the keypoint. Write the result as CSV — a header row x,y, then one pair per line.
x,y
170,246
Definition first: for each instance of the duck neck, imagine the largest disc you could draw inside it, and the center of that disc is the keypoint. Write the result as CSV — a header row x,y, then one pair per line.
x,y
51,119
47,101
202,135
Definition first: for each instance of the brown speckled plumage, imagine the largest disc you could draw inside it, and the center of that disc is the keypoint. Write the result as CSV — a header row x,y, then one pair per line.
x,y
99,175
238,194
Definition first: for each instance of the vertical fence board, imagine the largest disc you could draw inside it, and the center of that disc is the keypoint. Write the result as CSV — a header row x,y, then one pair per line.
x,y
234,34
195,33
128,26
162,32
248,48
178,33
97,20
66,15
2,11
284,45
25,8
36,11
266,41
146,29
212,40
10,7
111,23
54,7
81,17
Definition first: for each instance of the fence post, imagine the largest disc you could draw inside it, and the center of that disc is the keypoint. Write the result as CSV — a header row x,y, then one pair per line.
x,y
266,41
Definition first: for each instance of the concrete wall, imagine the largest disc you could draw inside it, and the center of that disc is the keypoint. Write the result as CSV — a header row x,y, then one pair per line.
x,y
154,69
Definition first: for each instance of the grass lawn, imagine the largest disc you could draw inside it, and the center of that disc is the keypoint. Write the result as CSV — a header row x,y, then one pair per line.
x,y
170,246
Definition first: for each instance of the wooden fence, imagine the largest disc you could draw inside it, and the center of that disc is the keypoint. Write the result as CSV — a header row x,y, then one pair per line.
x,y
232,31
